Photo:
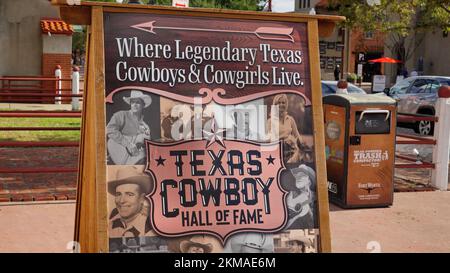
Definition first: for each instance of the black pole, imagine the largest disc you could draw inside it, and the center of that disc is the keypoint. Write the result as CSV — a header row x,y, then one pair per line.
x,y
134,2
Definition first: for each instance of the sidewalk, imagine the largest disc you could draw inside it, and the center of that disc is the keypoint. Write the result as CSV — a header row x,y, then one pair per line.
x,y
417,222
35,107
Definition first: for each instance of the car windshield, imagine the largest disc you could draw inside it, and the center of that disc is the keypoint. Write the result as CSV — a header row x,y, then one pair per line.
x,y
330,87
402,86
445,82
355,90
327,90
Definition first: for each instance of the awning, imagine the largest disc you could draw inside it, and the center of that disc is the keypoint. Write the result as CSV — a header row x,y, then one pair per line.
x,y
55,26
384,60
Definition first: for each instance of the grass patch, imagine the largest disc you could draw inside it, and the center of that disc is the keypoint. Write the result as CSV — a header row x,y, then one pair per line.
x,y
40,135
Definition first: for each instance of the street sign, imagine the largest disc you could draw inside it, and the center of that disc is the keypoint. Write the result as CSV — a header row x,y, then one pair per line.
x,y
361,57
360,70
379,83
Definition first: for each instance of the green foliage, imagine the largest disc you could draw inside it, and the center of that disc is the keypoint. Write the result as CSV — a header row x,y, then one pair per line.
x,y
226,4
352,77
397,19
79,40
220,4
40,135
395,16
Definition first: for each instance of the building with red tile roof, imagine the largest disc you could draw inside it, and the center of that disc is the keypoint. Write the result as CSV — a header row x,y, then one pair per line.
x,y
55,26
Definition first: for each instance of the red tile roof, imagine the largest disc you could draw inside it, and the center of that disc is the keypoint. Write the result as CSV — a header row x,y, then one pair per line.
x,y
55,26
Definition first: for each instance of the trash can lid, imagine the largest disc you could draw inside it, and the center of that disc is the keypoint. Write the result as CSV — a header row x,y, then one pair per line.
x,y
352,99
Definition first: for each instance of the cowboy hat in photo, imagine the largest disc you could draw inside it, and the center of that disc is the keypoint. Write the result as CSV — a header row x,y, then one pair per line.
x,y
131,175
304,170
139,95
301,239
197,241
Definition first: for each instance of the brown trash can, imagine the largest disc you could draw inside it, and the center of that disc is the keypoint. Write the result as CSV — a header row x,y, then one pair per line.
x,y
360,135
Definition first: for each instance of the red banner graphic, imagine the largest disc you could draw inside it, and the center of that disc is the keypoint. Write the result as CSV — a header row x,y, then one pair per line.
x,y
216,186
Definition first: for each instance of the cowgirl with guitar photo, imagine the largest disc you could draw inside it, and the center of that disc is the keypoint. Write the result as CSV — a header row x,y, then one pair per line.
x,y
127,130
300,200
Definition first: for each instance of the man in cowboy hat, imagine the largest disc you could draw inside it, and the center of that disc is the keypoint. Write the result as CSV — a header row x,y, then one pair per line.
x,y
299,244
127,130
250,242
196,244
129,218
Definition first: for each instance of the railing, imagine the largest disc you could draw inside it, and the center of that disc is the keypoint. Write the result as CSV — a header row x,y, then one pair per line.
x,y
441,141
42,89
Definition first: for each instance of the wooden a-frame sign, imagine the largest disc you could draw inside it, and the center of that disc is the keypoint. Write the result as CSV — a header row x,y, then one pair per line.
x,y
147,64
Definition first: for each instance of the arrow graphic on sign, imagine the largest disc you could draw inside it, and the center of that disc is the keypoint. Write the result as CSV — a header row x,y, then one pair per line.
x,y
263,33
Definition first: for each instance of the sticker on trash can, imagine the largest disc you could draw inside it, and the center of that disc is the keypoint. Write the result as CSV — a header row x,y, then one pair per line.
x,y
333,130
370,158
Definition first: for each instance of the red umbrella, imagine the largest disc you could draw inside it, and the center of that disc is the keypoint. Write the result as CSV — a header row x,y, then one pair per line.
x,y
384,60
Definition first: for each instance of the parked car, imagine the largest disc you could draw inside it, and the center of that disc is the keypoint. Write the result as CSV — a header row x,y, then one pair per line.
x,y
329,88
418,95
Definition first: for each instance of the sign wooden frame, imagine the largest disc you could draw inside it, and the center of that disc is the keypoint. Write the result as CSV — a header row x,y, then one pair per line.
x,y
91,226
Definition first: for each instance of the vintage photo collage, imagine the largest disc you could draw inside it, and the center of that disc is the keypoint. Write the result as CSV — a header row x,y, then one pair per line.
x,y
136,115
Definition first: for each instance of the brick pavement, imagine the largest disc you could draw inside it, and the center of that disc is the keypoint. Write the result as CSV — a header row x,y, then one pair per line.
x,y
38,186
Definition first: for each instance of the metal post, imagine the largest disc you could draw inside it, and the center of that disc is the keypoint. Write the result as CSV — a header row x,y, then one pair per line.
x,y
75,88
439,176
58,83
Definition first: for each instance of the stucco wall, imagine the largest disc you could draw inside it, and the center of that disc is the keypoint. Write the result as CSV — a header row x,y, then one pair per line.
x,y
20,35
434,50
57,44
436,54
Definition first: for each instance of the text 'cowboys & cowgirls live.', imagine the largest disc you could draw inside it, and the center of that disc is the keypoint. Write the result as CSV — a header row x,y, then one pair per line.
x,y
198,55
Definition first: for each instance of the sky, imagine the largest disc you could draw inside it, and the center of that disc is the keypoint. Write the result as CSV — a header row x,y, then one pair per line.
x,y
283,5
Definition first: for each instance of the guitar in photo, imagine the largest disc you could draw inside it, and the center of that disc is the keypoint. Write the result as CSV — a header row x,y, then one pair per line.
x,y
300,201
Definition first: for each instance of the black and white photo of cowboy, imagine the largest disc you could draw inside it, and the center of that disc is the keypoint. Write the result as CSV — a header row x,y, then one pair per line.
x,y
132,118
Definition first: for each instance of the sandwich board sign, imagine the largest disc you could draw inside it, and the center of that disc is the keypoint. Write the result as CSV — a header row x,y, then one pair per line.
x,y
202,131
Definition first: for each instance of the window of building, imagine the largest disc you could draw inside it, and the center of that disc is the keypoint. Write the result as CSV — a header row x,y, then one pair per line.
x,y
304,4
368,35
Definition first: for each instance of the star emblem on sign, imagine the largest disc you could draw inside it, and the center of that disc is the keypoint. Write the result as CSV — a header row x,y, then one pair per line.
x,y
270,160
160,161
215,135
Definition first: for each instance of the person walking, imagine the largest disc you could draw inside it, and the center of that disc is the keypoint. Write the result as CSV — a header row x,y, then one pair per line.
x,y
337,73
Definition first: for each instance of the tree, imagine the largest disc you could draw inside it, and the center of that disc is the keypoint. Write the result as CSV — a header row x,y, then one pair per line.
x,y
221,4
399,20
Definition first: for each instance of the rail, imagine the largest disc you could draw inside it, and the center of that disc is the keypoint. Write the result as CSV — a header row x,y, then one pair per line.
x,y
43,89
440,141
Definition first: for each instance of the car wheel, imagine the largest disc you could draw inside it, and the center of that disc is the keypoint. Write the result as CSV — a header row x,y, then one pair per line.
x,y
424,127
